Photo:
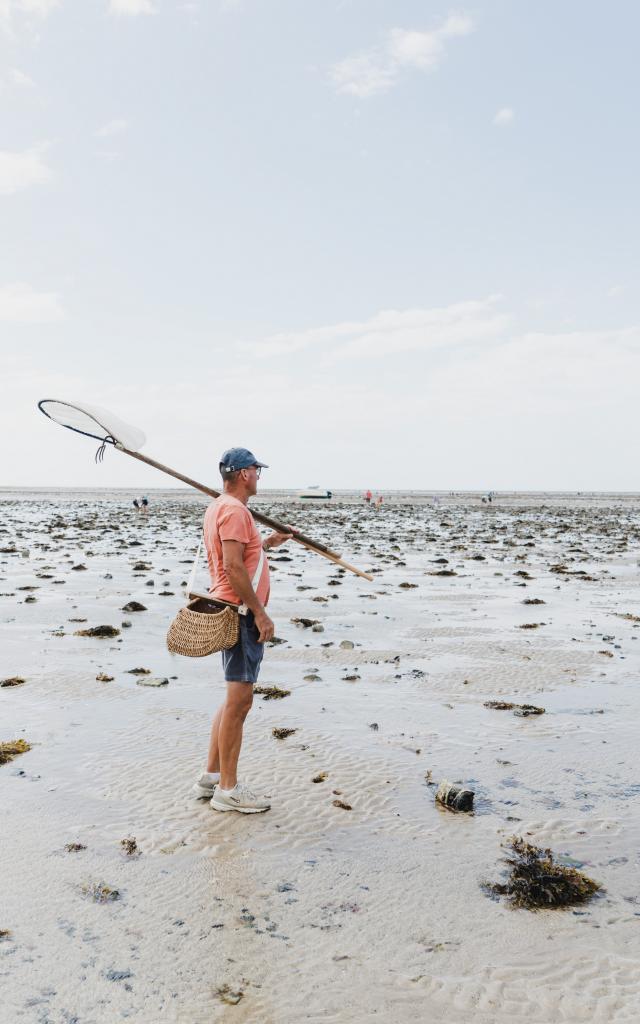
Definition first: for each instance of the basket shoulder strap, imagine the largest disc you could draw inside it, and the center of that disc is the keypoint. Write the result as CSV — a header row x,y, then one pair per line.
x,y
194,568
257,576
242,610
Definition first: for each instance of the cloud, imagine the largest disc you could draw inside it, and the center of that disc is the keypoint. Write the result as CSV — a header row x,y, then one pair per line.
x,y
486,405
376,71
20,170
11,10
20,303
504,116
16,79
115,127
457,396
363,76
131,8
392,331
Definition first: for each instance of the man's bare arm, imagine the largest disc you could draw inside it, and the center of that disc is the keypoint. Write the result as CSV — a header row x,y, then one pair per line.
x,y
233,561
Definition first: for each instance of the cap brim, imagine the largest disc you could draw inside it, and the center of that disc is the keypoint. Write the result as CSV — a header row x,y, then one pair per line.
x,y
262,465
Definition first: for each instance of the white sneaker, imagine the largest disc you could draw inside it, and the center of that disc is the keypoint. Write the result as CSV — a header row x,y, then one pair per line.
x,y
240,798
206,784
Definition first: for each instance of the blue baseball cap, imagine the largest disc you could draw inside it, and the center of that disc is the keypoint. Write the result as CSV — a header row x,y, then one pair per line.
x,y
239,458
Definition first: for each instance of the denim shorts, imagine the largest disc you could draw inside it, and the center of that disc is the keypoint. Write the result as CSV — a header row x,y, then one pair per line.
x,y
241,662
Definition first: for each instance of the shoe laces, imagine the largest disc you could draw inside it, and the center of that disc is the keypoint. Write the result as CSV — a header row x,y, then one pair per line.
x,y
245,792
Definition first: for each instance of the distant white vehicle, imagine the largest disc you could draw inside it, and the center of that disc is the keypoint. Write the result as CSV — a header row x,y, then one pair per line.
x,y
315,492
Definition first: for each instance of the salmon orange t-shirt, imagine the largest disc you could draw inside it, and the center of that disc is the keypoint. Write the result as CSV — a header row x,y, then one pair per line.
x,y
228,519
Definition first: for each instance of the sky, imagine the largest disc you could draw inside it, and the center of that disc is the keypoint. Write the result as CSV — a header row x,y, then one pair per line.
x,y
382,243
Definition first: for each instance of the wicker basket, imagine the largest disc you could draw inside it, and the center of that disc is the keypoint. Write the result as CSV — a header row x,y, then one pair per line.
x,y
203,628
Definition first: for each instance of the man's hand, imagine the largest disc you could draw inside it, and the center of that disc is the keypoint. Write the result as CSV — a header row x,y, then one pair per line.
x,y
265,627
275,539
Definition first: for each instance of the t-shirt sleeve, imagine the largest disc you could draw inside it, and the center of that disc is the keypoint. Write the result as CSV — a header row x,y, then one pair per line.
x,y
235,524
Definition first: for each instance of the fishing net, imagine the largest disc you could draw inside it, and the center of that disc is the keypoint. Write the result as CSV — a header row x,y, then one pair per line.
x,y
93,421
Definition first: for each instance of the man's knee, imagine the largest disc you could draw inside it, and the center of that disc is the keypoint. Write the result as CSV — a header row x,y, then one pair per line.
x,y
240,698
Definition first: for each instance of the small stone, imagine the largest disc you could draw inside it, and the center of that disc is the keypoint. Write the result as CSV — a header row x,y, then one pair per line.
x,y
112,975
454,797
347,645
134,606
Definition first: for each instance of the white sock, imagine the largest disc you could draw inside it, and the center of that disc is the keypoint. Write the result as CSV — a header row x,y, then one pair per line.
x,y
213,776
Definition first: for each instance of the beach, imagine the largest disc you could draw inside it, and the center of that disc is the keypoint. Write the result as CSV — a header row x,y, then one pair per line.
x,y
356,897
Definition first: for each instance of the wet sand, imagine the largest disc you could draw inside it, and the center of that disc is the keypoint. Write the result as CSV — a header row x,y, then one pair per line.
x,y
313,912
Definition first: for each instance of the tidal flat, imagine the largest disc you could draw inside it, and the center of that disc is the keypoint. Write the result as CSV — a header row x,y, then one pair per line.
x,y
357,897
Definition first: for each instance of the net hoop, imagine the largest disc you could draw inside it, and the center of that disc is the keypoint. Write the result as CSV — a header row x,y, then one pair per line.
x,y
93,421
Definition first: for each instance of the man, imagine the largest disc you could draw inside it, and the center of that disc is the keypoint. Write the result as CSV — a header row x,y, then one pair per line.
x,y
239,574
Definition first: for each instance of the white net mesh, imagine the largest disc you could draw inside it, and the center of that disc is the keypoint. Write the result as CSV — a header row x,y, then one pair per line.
x,y
94,422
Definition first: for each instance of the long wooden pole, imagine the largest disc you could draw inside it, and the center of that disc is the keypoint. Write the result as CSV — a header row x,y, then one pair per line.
x,y
307,542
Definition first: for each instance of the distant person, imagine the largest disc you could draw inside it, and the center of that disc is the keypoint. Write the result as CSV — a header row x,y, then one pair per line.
x,y
379,501
368,496
144,501
136,505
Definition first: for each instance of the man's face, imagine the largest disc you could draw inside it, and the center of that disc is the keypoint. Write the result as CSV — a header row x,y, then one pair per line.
x,y
251,475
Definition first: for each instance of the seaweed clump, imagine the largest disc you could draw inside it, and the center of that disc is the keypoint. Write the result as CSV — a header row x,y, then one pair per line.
x,y
226,995
100,892
130,847
12,681
271,692
281,733
521,710
537,882
104,631
11,749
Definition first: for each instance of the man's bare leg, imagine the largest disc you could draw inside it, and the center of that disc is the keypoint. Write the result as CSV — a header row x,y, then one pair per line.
x,y
226,740
213,761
